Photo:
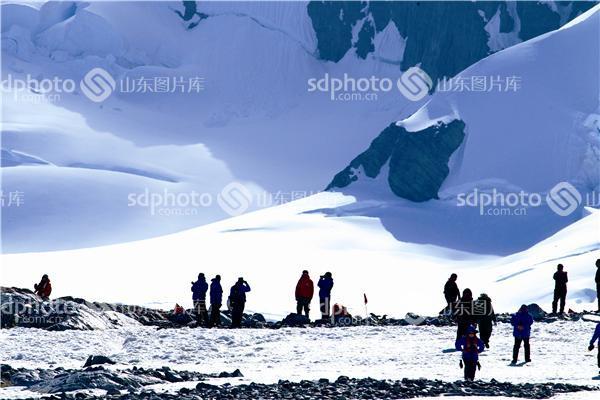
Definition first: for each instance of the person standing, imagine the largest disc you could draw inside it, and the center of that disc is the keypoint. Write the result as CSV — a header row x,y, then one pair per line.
x,y
237,301
463,313
304,293
598,283
451,291
595,337
486,318
521,322
216,298
44,288
199,289
560,288
325,285
471,346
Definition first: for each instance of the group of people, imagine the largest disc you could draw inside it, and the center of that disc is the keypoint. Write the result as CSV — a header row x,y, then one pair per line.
x,y
305,290
236,301
470,314
471,346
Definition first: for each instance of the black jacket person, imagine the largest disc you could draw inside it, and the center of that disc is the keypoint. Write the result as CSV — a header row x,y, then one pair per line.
x,y
237,300
451,292
560,289
464,313
486,317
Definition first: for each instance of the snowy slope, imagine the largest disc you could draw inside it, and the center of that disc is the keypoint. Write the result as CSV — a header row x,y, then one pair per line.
x,y
254,116
530,139
271,247
75,183
256,124
258,118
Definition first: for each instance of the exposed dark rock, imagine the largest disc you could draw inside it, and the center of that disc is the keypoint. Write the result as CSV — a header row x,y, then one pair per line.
x,y
62,380
443,47
235,374
346,388
296,320
20,307
97,360
418,161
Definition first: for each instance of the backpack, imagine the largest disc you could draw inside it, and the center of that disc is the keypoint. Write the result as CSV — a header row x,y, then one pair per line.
x,y
471,345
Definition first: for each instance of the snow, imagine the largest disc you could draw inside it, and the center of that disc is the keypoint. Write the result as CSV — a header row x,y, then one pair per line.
x,y
271,247
535,136
528,140
78,180
268,97
422,120
269,355
389,44
77,162
501,40
257,124
536,127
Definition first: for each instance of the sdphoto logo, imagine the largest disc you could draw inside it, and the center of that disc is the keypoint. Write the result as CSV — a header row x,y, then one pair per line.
x,y
97,85
414,84
563,199
234,199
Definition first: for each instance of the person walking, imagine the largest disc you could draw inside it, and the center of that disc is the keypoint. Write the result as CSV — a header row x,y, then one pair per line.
x,y
44,288
451,291
521,322
595,337
486,318
237,301
560,289
463,313
199,289
304,293
325,285
598,282
216,298
470,346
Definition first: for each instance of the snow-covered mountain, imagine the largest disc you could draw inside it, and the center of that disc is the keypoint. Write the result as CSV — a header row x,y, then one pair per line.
x,y
252,121
416,173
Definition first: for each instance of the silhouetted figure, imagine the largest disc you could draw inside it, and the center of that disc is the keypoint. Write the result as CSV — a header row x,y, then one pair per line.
x,y
595,337
486,318
199,289
44,288
560,288
521,322
237,301
464,313
598,282
325,285
304,293
451,292
216,299
471,346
